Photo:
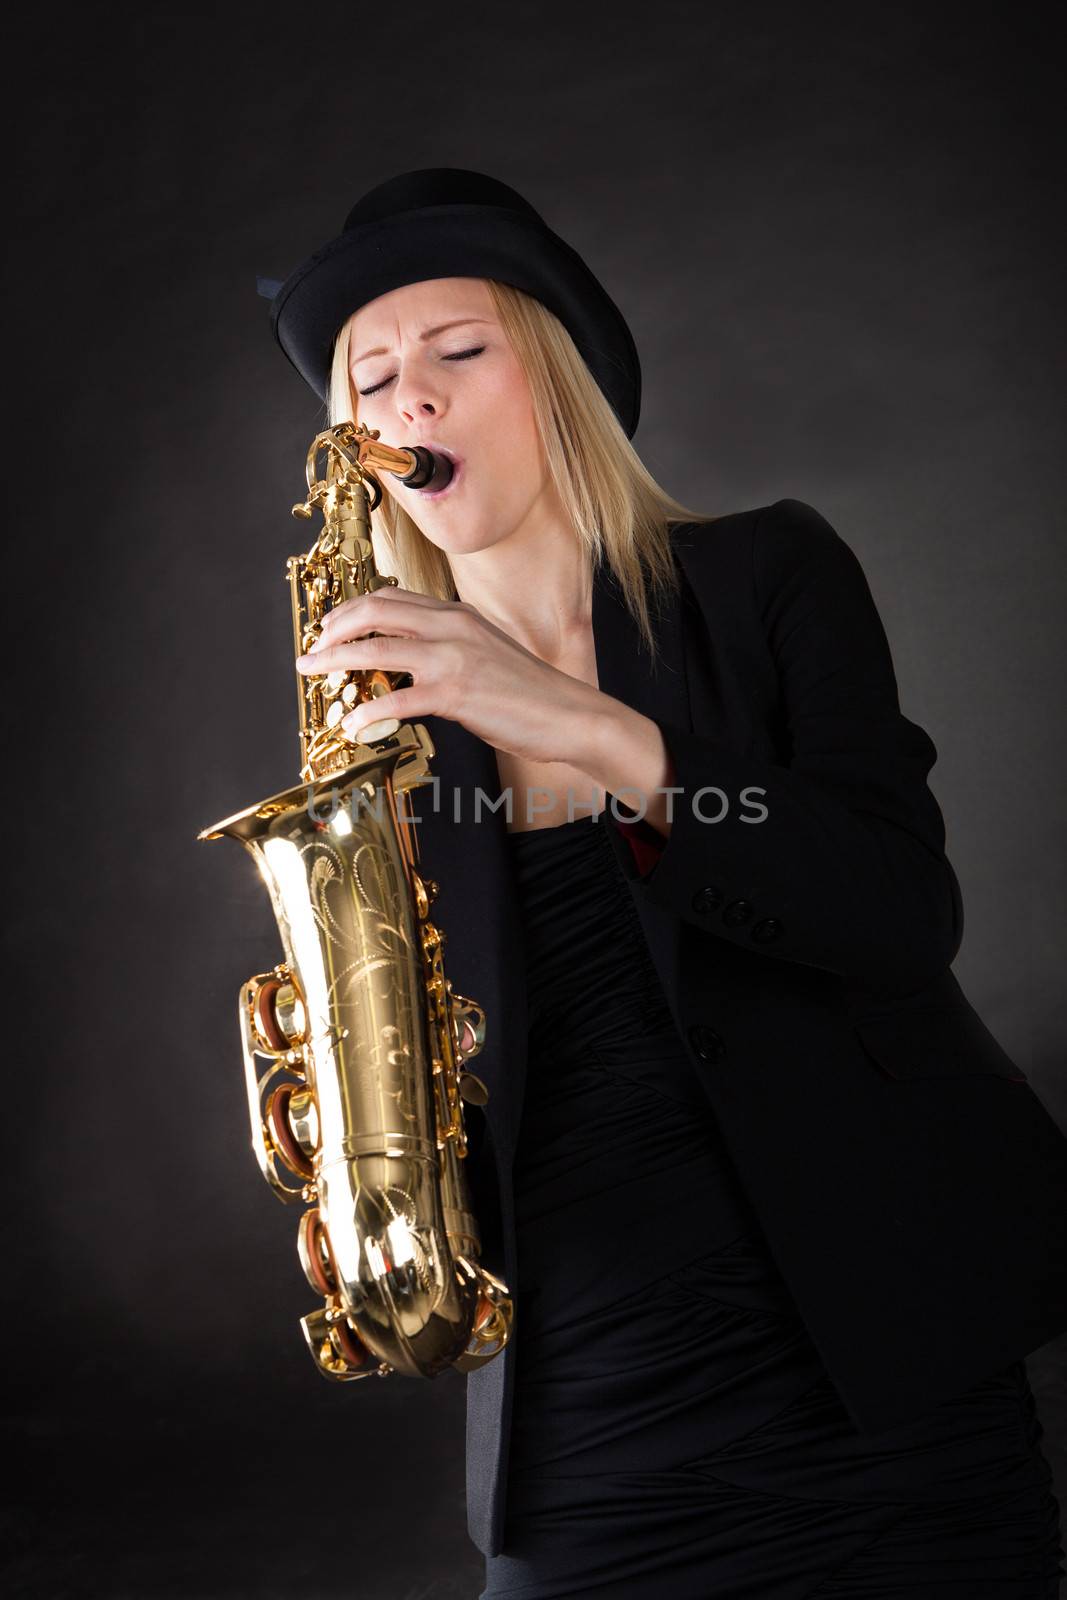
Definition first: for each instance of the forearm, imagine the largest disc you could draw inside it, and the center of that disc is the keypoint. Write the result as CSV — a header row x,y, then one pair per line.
x,y
625,754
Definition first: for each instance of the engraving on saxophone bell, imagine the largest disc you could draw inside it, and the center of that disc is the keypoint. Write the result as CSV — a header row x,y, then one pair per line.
x,y
355,1046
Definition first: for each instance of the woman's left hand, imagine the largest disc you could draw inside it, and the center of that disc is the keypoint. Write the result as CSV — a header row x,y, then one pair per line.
x,y
463,668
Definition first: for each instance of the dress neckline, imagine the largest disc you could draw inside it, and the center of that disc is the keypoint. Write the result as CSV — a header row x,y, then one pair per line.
x,y
575,825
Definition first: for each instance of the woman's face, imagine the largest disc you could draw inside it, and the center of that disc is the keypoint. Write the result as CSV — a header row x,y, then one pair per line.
x,y
461,387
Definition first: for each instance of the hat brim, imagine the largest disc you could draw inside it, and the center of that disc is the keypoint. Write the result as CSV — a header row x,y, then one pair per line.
x,y
453,241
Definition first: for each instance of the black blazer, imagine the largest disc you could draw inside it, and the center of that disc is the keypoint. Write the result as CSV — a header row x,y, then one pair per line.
x,y
911,1185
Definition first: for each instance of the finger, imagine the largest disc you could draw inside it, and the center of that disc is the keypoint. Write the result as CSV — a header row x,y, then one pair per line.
x,y
394,617
417,701
362,605
355,655
393,592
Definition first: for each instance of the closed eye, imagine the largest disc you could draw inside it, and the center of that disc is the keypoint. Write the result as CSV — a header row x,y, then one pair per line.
x,y
460,355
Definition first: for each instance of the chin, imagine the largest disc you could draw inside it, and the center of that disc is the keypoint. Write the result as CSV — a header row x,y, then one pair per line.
x,y
460,541
458,533
463,543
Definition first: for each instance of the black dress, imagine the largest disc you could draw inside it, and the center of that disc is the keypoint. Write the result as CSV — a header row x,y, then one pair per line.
x,y
675,1435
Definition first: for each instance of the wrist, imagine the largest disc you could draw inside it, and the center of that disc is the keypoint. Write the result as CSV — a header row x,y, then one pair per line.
x,y
626,754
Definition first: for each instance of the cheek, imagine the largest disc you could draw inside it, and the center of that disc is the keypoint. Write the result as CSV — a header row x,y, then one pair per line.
x,y
505,393
505,427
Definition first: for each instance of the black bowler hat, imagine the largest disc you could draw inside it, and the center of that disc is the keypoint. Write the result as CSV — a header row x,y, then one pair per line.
x,y
445,222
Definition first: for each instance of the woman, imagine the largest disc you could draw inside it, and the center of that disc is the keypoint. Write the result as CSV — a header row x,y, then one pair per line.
x,y
775,1205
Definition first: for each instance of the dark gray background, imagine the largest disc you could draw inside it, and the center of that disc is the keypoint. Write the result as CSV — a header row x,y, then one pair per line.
x,y
836,234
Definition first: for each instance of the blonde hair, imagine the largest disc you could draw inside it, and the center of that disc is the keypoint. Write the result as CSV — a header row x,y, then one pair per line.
x,y
620,514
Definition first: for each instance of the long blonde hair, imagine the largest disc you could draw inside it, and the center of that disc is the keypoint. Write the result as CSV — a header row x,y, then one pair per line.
x,y
619,512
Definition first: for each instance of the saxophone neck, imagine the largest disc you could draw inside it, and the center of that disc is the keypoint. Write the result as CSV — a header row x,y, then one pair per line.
x,y
353,454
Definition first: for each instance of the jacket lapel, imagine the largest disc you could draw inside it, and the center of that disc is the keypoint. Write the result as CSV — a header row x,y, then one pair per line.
x,y
625,669
463,847
658,690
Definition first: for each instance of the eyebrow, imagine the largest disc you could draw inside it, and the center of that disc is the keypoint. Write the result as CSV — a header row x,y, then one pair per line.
x,y
430,333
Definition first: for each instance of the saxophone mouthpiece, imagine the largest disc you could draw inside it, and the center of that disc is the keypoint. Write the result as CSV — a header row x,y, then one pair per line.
x,y
432,469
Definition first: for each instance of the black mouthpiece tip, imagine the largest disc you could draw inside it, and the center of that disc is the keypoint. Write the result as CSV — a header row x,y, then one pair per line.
x,y
430,471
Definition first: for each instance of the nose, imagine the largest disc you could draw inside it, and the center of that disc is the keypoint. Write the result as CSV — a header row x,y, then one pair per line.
x,y
416,396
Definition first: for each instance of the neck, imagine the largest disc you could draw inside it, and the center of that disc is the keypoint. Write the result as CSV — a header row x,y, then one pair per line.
x,y
535,585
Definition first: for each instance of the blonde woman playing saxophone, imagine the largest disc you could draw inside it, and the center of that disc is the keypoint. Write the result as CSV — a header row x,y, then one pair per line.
x,y
764,1343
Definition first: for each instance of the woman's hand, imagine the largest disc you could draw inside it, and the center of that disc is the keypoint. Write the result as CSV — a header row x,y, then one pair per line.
x,y
463,668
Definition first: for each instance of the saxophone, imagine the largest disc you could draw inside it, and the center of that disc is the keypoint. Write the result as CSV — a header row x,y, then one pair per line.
x,y
355,1046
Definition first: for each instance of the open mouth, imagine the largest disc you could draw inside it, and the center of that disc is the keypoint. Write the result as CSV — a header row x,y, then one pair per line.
x,y
432,493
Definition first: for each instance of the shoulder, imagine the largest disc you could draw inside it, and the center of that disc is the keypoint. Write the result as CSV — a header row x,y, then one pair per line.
x,y
772,545
783,525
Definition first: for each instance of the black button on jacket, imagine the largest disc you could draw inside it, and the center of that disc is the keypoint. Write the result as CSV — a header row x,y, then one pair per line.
x,y
706,1042
911,1184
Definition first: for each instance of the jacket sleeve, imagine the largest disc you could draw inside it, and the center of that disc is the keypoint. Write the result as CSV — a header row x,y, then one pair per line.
x,y
836,858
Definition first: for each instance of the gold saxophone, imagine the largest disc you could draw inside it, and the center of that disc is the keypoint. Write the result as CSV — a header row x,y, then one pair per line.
x,y
355,1046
